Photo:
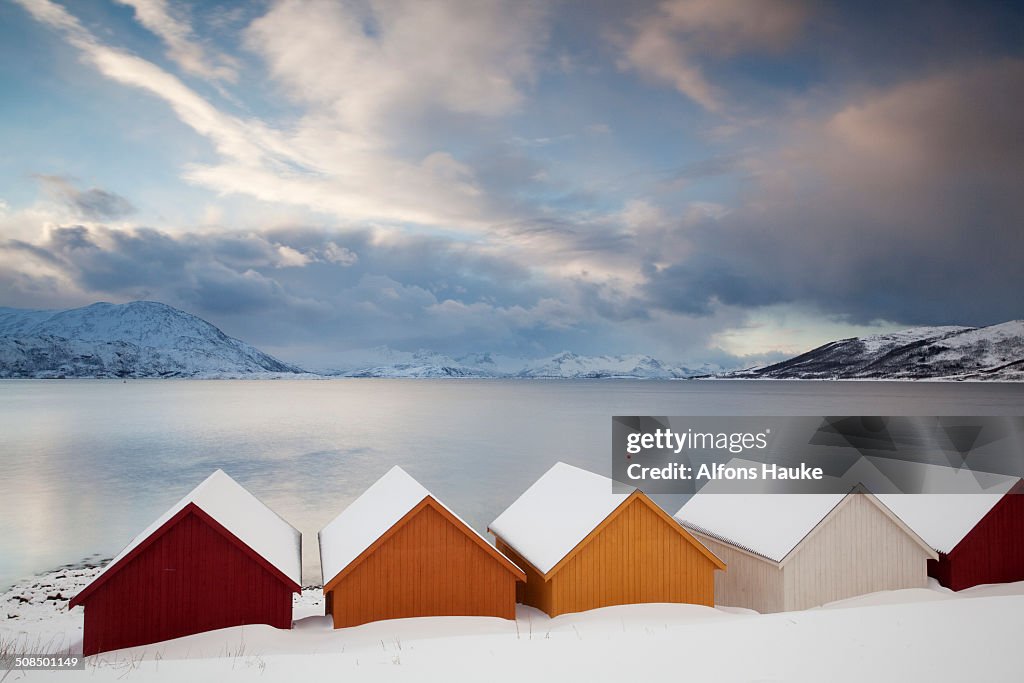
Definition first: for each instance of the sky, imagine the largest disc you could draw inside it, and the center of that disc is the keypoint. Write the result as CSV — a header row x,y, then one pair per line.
x,y
704,181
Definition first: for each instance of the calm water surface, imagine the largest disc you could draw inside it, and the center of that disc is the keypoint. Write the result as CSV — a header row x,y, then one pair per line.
x,y
87,464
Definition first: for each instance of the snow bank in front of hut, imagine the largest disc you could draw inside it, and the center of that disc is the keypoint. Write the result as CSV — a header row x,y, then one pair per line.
x,y
911,635
34,614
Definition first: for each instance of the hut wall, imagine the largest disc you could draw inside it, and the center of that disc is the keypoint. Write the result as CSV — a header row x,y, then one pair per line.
x,y
993,552
190,579
638,555
858,549
429,565
749,581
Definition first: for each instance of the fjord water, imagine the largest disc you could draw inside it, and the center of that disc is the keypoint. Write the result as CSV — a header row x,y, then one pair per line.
x,y
87,464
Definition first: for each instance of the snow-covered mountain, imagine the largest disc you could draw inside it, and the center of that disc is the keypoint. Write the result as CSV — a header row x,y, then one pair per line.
x,y
565,365
422,365
575,366
137,339
150,339
993,352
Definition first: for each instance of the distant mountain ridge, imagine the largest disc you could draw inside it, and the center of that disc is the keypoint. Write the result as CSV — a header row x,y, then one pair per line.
x,y
995,352
151,339
137,339
148,339
564,365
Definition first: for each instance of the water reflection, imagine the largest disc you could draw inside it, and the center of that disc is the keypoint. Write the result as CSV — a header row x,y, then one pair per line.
x,y
88,464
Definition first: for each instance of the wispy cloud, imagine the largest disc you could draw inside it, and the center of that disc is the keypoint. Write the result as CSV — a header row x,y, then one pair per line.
x,y
337,157
182,46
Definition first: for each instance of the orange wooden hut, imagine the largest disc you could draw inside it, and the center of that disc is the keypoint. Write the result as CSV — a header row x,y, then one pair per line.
x,y
397,551
584,546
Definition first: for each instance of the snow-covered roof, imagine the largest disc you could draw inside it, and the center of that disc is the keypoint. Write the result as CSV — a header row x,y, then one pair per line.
x,y
244,515
773,524
556,513
369,517
768,524
943,519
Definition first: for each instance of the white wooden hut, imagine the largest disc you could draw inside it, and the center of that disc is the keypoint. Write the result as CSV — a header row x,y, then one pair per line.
x,y
794,551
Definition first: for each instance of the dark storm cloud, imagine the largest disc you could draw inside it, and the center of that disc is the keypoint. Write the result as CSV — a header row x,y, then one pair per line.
x,y
92,204
443,267
219,290
33,250
696,285
903,205
610,304
316,288
72,237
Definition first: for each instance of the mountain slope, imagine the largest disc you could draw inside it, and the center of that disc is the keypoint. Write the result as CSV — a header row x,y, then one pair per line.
x,y
993,352
137,339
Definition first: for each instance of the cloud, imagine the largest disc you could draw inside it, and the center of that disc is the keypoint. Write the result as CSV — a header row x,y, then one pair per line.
x,y
182,46
352,73
340,255
709,168
307,286
452,156
370,64
311,294
91,204
670,44
898,205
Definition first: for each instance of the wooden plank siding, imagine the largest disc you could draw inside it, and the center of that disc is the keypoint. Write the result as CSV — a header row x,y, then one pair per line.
x,y
638,554
992,552
535,591
429,564
192,577
750,581
859,549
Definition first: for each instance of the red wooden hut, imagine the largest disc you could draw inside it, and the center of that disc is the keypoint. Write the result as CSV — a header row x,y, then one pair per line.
x,y
217,558
979,536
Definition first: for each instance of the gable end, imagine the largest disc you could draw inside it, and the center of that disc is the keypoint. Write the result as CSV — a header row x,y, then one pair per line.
x,y
430,502
191,509
637,498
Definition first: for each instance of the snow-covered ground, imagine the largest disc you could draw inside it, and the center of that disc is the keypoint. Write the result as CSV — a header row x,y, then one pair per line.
x,y
911,635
